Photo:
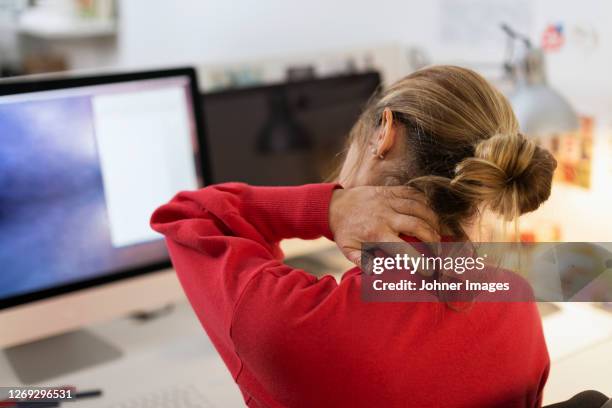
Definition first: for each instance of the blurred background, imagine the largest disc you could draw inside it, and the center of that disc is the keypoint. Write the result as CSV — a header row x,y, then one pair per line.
x,y
282,82
252,43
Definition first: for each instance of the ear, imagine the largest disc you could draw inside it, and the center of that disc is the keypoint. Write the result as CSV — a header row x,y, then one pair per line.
x,y
386,137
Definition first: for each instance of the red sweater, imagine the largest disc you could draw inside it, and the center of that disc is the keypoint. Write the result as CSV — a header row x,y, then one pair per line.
x,y
290,339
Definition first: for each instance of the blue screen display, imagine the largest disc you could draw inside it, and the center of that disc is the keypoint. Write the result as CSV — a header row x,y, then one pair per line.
x,y
54,218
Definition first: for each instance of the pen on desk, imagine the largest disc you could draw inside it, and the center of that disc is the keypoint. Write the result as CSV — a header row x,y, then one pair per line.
x,y
88,394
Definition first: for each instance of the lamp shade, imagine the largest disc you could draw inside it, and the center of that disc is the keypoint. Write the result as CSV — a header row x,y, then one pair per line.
x,y
541,110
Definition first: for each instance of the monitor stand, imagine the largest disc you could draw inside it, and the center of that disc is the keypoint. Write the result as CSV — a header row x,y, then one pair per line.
x,y
46,359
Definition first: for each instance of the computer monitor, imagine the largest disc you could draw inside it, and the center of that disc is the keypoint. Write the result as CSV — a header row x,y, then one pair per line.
x,y
84,161
284,134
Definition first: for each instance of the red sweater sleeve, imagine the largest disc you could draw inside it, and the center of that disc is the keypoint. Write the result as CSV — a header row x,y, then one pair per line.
x,y
222,237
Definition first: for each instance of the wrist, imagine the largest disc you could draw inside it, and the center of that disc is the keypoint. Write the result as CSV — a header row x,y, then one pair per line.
x,y
336,209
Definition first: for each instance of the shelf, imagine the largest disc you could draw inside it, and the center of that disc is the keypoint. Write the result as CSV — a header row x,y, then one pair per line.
x,y
62,30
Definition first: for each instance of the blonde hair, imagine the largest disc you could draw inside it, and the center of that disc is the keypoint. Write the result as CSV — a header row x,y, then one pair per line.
x,y
464,148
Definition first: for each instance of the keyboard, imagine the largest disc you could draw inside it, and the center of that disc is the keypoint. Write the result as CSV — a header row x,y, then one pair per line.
x,y
183,396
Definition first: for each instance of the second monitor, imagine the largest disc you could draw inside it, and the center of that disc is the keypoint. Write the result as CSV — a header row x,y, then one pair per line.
x,y
285,134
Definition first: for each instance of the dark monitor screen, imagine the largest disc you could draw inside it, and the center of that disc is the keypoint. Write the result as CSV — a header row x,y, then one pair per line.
x,y
83,164
284,134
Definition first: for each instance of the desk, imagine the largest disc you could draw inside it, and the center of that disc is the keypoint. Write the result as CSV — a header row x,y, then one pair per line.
x,y
579,340
165,352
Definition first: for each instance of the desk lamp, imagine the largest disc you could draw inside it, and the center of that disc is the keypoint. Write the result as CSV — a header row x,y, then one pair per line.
x,y
540,109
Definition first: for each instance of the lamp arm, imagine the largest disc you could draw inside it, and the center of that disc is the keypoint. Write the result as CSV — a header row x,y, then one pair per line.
x,y
515,35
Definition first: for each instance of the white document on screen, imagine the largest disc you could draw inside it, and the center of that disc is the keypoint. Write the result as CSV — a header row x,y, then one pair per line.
x,y
146,156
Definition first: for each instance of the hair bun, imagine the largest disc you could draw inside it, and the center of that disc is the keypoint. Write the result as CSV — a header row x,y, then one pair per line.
x,y
509,173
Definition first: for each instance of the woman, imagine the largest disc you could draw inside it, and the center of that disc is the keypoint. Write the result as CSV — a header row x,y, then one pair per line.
x,y
292,340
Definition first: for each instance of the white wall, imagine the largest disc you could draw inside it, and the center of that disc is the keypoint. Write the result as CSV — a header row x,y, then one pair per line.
x,y
209,31
213,32
584,75
158,32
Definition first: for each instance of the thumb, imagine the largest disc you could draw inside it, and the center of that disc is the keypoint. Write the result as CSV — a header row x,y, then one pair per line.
x,y
351,250
353,255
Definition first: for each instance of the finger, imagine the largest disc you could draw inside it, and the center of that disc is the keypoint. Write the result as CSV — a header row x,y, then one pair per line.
x,y
404,248
416,227
351,250
416,209
407,192
387,247
391,237
410,201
